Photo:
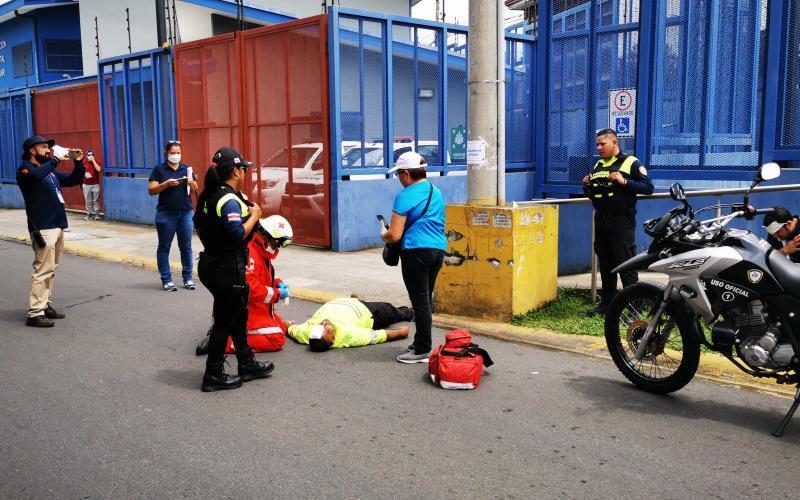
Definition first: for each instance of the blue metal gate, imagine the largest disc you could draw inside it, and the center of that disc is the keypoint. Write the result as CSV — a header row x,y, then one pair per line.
x,y
15,126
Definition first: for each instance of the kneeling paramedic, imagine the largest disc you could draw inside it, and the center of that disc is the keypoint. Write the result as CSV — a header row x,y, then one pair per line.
x,y
225,221
351,323
266,329
612,186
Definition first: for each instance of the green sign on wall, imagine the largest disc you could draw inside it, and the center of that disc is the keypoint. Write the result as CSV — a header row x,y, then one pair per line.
x,y
458,144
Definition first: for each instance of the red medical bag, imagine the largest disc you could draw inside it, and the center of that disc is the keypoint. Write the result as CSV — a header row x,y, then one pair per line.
x,y
458,363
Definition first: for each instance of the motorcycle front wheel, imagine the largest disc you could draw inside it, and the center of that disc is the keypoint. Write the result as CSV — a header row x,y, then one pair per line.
x,y
672,356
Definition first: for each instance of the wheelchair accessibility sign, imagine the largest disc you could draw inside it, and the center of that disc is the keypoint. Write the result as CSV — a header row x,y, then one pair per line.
x,y
622,111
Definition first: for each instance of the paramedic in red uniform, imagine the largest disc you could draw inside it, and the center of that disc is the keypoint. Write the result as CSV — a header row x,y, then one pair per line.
x,y
265,328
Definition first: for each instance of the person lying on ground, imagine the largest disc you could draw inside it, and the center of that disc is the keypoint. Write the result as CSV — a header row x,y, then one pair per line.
x,y
351,323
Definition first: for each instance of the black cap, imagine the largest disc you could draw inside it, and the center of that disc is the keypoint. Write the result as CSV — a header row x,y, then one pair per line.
x,y
227,157
33,141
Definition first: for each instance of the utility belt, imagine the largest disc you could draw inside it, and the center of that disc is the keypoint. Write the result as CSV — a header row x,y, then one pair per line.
x,y
225,272
605,214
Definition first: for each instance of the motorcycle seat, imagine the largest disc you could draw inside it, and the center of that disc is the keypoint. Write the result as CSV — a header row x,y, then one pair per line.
x,y
786,272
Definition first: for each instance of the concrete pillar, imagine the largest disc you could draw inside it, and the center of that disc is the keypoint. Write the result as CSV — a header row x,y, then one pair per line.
x,y
482,102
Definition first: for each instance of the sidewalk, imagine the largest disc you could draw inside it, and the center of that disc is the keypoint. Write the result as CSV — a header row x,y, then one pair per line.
x,y
312,273
321,275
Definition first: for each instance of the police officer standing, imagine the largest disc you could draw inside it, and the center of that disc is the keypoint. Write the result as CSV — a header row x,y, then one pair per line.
x,y
225,221
612,186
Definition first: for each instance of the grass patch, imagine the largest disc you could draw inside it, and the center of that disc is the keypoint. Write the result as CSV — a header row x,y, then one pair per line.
x,y
566,314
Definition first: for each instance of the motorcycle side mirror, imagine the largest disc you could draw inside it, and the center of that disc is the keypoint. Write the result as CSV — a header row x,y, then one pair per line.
x,y
769,171
676,192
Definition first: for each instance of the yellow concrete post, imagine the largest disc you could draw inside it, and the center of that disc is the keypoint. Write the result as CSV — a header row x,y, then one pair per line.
x,y
500,262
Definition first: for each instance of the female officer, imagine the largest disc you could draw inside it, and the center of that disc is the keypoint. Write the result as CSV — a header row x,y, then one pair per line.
x,y
225,221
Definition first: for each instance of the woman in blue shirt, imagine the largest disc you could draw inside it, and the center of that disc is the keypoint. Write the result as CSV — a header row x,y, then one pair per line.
x,y
421,233
172,181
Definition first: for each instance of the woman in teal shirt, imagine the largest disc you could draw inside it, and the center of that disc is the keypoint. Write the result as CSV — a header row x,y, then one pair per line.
x,y
421,233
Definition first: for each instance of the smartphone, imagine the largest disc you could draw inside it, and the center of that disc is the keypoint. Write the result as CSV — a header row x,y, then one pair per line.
x,y
383,221
183,180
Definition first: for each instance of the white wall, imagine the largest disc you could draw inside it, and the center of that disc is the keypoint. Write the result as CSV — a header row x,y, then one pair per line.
x,y
194,21
306,8
111,26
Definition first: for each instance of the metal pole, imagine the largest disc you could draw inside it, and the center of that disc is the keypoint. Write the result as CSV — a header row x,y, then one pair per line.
x,y
482,104
161,23
501,106
594,266
128,24
96,40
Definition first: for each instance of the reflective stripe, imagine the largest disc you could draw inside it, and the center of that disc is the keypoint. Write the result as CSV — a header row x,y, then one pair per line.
x,y
373,336
228,197
626,165
270,294
265,331
455,385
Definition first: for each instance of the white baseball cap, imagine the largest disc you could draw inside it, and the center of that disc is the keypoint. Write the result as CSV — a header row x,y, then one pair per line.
x,y
408,160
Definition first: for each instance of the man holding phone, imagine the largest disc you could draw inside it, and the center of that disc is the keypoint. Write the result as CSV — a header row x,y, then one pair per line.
x,y
41,186
91,187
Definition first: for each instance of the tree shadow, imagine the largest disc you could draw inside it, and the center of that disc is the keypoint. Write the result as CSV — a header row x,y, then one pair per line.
x,y
181,379
612,395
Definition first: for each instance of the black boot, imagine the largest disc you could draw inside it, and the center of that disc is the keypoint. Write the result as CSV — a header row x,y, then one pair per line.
x,y
250,368
215,379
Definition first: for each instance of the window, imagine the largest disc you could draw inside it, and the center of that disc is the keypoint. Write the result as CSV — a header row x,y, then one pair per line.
x,y
21,60
223,24
63,55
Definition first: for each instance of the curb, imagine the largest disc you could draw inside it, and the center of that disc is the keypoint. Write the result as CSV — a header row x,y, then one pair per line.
x,y
712,367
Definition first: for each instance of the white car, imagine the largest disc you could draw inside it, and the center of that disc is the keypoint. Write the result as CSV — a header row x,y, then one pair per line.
x,y
373,153
307,170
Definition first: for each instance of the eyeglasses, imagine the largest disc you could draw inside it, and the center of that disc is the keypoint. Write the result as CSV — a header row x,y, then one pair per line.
x,y
173,143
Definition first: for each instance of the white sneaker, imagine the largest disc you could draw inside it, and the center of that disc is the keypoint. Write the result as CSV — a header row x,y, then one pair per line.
x,y
411,357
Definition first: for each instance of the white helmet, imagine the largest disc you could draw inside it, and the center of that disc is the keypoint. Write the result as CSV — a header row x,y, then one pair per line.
x,y
278,228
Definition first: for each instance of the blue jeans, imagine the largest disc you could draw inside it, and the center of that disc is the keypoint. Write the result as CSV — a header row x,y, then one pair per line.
x,y
169,222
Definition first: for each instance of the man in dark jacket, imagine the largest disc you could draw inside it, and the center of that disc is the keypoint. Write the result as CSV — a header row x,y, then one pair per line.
x,y
41,186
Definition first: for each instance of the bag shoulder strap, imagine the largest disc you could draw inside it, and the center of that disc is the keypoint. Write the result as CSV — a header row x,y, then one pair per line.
x,y
424,211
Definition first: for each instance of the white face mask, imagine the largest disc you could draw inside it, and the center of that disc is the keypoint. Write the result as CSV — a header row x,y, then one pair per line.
x,y
174,158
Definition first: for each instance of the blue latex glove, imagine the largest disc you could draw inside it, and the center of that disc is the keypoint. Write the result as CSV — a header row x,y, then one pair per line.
x,y
283,288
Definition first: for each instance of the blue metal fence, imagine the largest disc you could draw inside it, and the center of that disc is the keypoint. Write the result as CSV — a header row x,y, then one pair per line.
x,y
137,110
698,68
15,125
400,84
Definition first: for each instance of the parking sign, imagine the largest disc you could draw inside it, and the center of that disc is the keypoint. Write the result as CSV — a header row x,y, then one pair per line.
x,y
622,111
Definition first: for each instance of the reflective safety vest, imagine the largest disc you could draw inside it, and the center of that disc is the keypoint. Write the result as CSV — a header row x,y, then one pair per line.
x,y
607,195
211,228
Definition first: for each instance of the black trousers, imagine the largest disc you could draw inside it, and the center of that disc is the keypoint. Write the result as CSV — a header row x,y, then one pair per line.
x,y
385,314
224,277
420,266
614,243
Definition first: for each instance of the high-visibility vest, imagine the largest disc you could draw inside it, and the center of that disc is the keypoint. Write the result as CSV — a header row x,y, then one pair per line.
x,y
211,229
606,194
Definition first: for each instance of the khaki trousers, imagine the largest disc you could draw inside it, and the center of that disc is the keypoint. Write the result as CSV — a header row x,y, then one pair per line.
x,y
45,263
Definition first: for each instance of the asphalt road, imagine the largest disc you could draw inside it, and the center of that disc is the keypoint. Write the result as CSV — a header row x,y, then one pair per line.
x,y
108,405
